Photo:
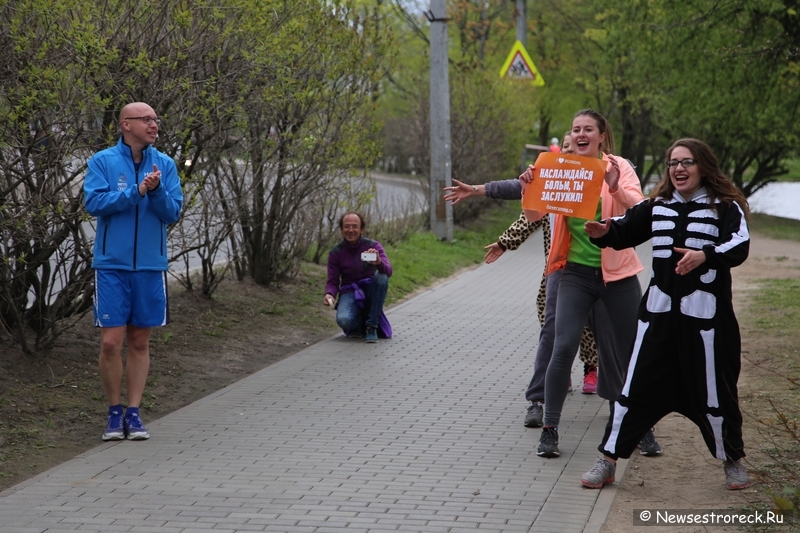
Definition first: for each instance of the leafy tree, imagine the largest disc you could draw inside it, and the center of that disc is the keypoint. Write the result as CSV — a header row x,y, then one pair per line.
x,y
47,129
567,61
748,84
306,112
489,117
709,70
264,105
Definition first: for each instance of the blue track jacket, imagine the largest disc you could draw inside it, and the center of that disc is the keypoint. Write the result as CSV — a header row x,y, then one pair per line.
x,y
131,229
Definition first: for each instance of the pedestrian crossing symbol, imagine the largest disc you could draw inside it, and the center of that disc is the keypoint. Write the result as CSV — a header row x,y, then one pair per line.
x,y
519,65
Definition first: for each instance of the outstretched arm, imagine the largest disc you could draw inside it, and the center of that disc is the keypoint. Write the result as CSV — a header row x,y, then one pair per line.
x,y
462,191
512,238
493,252
627,231
518,232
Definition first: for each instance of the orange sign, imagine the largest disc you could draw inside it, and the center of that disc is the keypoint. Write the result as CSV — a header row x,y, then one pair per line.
x,y
565,184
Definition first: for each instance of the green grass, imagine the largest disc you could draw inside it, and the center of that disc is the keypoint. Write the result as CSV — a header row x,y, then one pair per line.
x,y
775,311
778,304
422,259
776,227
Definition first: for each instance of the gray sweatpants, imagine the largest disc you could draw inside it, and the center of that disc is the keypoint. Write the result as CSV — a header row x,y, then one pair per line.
x,y
609,381
581,287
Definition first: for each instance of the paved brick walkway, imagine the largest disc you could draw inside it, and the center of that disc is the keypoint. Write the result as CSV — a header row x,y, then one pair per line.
x,y
419,433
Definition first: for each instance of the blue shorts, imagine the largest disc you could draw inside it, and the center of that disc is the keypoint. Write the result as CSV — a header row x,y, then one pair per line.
x,y
122,297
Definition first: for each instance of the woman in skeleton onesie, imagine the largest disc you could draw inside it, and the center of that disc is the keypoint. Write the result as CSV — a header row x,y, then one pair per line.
x,y
686,356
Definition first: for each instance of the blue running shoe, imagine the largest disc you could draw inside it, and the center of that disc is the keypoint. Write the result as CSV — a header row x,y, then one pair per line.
x,y
372,335
114,429
134,427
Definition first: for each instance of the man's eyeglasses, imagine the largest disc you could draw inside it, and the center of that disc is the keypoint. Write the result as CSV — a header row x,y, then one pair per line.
x,y
146,120
686,163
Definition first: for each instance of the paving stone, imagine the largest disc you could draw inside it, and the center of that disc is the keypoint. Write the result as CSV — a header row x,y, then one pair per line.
x,y
422,432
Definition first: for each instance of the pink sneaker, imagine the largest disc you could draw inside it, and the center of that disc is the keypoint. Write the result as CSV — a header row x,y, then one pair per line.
x,y
590,382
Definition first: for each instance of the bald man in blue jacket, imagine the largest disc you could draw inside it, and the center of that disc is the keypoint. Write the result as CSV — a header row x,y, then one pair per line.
x,y
135,193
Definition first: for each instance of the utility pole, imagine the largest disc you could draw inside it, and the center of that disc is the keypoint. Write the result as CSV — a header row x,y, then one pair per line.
x,y
522,22
441,168
522,36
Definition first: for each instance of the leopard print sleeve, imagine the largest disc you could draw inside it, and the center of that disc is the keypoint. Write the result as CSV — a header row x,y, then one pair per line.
x,y
515,235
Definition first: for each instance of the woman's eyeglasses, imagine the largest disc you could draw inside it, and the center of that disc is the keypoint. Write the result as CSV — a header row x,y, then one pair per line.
x,y
685,163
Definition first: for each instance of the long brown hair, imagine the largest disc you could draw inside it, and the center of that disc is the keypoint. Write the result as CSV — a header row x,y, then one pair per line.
x,y
607,146
712,178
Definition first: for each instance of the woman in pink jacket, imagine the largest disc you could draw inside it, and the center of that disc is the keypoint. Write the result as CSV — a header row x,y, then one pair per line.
x,y
589,273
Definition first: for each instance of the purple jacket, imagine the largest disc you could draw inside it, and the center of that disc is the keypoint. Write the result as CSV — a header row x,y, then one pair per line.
x,y
345,266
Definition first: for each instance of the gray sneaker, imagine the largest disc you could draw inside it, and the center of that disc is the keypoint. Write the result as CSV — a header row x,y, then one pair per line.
x,y
736,477
602,473
649,446
535,415
548,443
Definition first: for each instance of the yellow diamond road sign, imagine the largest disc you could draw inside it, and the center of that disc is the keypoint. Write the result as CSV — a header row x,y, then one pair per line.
x,y
519,65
